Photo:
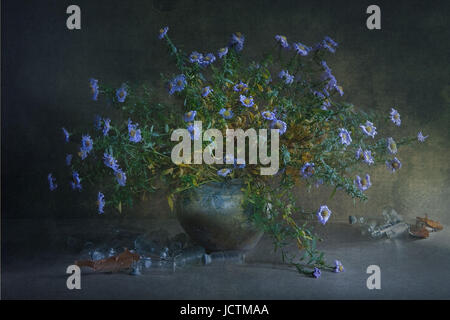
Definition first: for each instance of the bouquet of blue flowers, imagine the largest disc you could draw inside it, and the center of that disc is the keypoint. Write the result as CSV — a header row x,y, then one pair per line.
x,y
292,90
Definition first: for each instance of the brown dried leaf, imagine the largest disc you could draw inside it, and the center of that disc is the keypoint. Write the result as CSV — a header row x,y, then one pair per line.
x,y
436,225
116,263
419,232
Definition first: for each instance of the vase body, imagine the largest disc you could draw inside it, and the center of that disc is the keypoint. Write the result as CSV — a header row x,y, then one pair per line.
x,y
213,216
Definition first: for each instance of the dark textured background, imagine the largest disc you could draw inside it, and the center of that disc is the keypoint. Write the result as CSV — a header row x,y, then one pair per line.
x,y
45,72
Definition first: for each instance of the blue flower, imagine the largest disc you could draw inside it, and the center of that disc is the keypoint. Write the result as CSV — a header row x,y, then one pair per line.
x,y
163,32
338,266
359,154
395,117
206,91
363,183
239,163
100,202
331,80
222,52
86,144
327,69
392,146
226,113
177,84
301,49
107,126
307,170
345,136
68,159
323,214
369,129
323,96
366,156
421,137
76,183
325,105
194,131
328,44
110,162
66,135
134,132
189,116
121,177
207,60
288,79
268,115
121,94
280,125
246,101
339,90
224,172
237,41
283,74
394,164
93,84
282,40
51,182
332,84
83,154
241,86
330,41
316,273
195,57
327,75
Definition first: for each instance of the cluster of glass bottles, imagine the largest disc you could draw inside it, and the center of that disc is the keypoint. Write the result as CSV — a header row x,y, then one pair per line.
x,y
391,224
165,256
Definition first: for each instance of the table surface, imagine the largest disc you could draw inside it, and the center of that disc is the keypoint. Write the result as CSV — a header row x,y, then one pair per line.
x,y
34,265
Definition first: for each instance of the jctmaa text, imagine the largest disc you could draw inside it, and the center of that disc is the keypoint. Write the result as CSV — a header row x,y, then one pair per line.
x,y
231,309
